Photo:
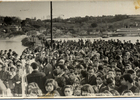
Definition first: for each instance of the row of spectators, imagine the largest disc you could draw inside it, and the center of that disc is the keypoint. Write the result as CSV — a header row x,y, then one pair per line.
x,y
72,68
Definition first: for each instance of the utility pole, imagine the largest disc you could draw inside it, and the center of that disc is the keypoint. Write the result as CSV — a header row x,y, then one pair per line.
x,y
51,21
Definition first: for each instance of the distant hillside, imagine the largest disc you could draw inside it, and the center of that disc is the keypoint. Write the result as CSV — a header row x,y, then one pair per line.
x,y
10,26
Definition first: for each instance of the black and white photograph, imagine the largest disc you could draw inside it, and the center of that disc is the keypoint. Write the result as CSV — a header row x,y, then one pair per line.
x,y
70,49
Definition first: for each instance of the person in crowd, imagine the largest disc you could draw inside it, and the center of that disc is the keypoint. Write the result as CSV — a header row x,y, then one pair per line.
x,y
68,90
128,93
33,90
17,80
107,93
48,70
111,74
3,89
51,87
28,69
91,78
12,73
117,77
101,64
87,90
114,92
128,81
110,85
77,91
5,76
133,75
59,69
36,76
100,84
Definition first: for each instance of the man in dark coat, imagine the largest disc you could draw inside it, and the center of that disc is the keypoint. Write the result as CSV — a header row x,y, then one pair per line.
x,y
127,82
38,77
90,78
100,85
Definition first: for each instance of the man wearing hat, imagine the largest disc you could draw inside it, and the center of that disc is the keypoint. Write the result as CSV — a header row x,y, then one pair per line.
x,y
36,76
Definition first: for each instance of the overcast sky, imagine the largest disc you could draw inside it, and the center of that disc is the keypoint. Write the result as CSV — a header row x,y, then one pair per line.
x,y
66,9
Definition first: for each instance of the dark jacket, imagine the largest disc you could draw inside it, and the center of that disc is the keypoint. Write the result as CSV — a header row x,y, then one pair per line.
x,y
98,89
107,88
102,86
90,80
39,78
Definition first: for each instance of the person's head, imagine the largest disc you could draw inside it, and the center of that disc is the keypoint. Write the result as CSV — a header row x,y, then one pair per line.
x,y
126,79
118,74
138,72
90,69
72,76
1,65
86,59
5,51
111,74
114,92
61,81
128,67
4,68
110,83
12,69
32,88
19,72
119,58
68,90
79,67
84,73
59,69
76,62
3,59
99,79
87,90
95,58
132,73
127,93
77,91
105,69
51,85
22,56
77,72
30,57
127,54
10,63
96,63
136,57
107,93
67,63
138,79
34,65
106,58
100,67
113,64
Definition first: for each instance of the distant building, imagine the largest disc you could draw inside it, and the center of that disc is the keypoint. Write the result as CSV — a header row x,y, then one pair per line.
x,y
128,31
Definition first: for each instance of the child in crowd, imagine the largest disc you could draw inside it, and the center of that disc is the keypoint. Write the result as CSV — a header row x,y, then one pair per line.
x,y
51,88
87,90
33,90
68,90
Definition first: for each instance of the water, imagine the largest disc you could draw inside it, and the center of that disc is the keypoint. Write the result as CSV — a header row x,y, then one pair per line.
x,y
15,43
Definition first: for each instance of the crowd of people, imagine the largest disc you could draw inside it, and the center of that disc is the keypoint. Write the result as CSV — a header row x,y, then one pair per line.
x,y
72,68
